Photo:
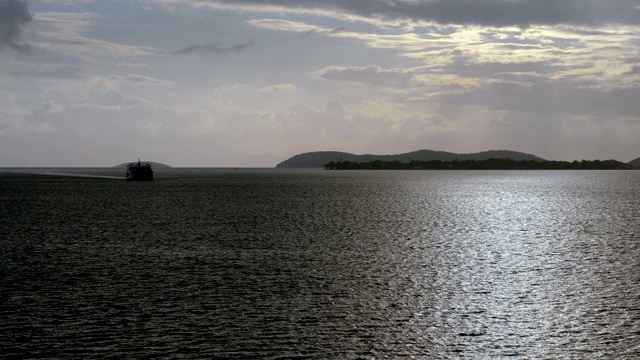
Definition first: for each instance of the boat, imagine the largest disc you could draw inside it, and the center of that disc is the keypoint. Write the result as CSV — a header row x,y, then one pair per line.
x,y
139,172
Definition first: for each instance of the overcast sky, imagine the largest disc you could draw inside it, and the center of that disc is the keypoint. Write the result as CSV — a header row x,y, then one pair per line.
x,y
226,83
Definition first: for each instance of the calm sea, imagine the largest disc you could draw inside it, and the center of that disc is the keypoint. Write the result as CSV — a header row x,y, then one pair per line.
x,y
205,263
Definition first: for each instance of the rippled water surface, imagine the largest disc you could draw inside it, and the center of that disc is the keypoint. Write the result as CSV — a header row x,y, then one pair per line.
x,y
318,264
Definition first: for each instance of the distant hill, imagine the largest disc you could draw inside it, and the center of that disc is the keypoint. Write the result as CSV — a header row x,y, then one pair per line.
x,y
156,165
635,163
319,158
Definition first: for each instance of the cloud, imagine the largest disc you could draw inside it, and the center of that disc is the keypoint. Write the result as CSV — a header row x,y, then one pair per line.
x,y
58,73
635,69
550,99
63,35
278,88
295,26
495,13
284,25
371,74
141,80
14,14
213,49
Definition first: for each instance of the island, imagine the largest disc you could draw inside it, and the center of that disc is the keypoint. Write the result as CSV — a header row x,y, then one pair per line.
x,y
319,159
442,160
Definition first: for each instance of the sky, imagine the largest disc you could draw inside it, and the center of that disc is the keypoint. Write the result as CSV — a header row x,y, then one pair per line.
x,y
250,83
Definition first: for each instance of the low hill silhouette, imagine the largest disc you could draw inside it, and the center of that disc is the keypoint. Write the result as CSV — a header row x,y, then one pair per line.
x,y
635,163
156,165
318,159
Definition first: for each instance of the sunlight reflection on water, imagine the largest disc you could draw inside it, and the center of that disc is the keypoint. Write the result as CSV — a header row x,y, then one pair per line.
x,y
518,266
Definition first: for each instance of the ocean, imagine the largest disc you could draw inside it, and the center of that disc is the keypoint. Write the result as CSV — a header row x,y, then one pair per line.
x,y
277,264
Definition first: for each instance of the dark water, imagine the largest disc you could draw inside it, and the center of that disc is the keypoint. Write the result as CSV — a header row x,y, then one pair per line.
x,y
313,264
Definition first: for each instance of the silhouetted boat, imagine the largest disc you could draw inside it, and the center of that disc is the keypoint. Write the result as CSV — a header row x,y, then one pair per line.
x,y
139,172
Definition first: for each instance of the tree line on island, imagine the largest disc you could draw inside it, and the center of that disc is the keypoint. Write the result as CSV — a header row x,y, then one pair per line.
x,y
488,164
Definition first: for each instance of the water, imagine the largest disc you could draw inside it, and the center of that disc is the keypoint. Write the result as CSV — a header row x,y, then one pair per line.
x,y
318,264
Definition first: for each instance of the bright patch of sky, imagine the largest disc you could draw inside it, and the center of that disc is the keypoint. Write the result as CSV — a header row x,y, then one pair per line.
x,y
251,83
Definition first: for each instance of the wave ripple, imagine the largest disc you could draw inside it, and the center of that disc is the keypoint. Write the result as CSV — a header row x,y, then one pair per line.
x,y
321,265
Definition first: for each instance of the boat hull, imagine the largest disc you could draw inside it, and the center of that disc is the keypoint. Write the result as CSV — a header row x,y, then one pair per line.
x,y
148,176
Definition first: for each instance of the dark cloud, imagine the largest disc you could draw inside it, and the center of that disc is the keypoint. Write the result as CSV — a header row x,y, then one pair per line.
x,y
498,13
14,14
213,49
